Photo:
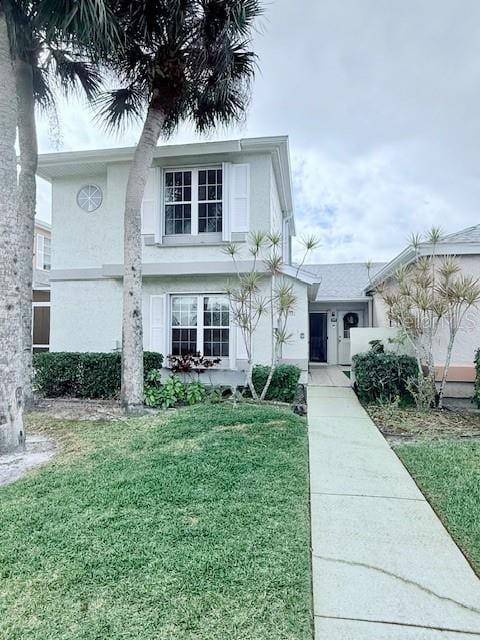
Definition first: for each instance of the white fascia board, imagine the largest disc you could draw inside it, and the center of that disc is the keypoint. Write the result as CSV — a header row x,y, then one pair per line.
x,y
424,249
51,165
342,300
41,224
303,276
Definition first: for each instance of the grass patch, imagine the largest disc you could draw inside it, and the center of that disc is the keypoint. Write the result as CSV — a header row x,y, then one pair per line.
x,y
448,473
190,525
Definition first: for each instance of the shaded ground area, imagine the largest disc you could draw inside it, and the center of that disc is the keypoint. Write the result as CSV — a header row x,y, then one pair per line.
x,y
188,525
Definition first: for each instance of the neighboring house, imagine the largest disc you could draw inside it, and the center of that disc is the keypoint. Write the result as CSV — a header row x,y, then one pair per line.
x,y
41,287
198,198
465,246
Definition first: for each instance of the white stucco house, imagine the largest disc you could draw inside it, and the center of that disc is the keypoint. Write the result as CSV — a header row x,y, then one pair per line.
x,y
199,197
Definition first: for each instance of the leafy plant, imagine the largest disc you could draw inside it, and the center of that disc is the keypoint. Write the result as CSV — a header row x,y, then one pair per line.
x,y
195,392
383,376
192,362
283,384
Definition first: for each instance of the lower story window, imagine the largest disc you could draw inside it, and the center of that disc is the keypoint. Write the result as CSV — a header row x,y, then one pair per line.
x,y
200,324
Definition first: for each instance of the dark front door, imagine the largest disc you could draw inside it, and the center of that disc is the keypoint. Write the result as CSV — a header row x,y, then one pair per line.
x,y
318,337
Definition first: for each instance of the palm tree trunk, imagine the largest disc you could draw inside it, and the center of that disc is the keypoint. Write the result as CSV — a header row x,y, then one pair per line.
x,y
26,202
132,332
12,435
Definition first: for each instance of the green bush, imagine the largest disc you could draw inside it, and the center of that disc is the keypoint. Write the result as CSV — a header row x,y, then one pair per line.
x,y
84,375
284,381
383,376
173,392
477,379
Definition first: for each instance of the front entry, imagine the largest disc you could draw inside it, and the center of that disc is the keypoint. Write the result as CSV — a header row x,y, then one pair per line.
x,y
318,337
348,320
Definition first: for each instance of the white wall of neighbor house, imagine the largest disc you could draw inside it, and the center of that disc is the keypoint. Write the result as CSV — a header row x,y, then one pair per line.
x,y
468,337
86,315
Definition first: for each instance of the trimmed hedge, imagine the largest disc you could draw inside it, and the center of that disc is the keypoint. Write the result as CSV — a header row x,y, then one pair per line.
x,y
284,381
477,378
383,376
84,375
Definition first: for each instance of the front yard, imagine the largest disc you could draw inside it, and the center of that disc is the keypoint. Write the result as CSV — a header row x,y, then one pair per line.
x,y
441,450
192,525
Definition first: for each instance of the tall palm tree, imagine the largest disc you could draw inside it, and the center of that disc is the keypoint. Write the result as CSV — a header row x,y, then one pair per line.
x,y
182,60
11,424
51,42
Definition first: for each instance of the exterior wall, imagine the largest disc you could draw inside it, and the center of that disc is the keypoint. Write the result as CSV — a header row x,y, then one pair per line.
x,y
468,337
86,315
89,240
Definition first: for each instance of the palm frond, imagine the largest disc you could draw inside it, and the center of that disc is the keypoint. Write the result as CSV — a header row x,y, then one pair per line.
x,y
119,107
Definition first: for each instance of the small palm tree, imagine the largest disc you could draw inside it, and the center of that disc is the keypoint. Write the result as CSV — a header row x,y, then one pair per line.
x,y
182,60
51,46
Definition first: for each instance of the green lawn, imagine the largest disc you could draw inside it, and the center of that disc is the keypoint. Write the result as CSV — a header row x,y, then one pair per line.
x,y
191,526
448,473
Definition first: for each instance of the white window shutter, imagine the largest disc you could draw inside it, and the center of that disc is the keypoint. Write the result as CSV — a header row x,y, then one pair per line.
x,y
239,186
226,203
159,205
149,201
241,353
40,252
158,324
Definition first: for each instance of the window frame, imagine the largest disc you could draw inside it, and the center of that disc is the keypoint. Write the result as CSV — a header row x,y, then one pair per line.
x,y
200,326
194,203
40,240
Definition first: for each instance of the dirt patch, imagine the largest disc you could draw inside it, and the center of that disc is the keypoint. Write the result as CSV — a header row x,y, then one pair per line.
x,y
38,451
79,410
403,425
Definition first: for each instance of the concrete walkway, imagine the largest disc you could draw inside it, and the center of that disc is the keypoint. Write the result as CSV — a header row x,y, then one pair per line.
x,y
384,568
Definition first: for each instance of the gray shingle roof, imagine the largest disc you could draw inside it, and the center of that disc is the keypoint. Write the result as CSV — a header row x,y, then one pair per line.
x,y
471,234
345,281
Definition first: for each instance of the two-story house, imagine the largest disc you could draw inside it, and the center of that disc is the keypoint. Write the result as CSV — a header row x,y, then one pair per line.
x,y
199,197
41,287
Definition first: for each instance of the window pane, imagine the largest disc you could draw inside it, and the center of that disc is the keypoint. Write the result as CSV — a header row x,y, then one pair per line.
x,y
184,321
41,325
216,334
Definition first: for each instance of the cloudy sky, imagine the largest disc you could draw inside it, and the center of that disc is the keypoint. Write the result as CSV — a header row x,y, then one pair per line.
x,y
381,100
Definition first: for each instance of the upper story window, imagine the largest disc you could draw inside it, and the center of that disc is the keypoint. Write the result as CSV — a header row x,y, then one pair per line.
x,y
43,252
193,201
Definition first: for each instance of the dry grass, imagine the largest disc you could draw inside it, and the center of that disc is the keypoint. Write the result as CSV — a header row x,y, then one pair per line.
x,y
403,424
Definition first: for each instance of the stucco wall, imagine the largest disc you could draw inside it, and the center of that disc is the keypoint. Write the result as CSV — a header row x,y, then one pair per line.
x,y
86,315
468,337
86,240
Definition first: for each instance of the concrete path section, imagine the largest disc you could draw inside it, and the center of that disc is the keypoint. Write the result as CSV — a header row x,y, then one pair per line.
x,y
384,567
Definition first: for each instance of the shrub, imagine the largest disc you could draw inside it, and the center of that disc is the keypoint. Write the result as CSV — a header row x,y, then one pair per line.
x,y
383,376
284,381
173,392
84,375
477,379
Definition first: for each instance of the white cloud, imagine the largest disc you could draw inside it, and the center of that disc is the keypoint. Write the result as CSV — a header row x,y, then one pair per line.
x,y
381,99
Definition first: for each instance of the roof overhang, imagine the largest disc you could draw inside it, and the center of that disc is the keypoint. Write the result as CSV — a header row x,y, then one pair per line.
x,y
409,254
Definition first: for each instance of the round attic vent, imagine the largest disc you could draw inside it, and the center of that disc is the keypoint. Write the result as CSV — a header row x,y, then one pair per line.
x,y
89,197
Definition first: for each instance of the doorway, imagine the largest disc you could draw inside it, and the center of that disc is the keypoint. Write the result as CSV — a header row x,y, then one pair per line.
x,y
318,337
349,320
